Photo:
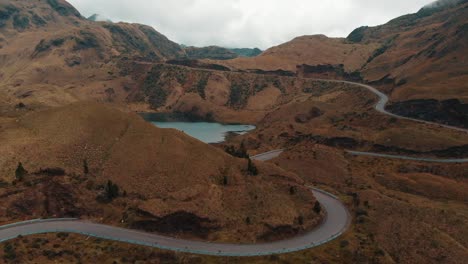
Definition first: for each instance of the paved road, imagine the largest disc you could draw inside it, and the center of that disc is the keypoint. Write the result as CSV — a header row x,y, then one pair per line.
x,y
336,222
380,107
268,155
383,101
371,154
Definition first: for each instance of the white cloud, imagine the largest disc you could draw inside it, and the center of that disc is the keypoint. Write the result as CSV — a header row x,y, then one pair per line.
x,y
249,23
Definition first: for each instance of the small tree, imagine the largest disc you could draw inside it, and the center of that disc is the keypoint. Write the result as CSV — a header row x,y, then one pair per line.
x,y
300,220
251,168
85,167
20,172
292,190
317,207
112,190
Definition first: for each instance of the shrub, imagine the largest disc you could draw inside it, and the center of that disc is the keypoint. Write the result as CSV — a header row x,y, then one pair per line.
x,y
300,220
85,167
240,153
112,190
292,190
9,251
52,171
344,243
317,207
251,168
20,172
361,212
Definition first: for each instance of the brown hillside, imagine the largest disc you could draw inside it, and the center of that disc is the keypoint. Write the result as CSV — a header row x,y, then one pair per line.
x,y
164,173
417,56
311,50
56,56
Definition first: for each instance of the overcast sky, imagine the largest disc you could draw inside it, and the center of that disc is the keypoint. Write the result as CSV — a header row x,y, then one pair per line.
x,y
249,23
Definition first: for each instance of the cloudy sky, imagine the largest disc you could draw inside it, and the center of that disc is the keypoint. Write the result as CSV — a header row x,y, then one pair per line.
x,y
249,23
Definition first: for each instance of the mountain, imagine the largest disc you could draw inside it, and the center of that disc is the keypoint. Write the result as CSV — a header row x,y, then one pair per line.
x,y
246,52
311,50
219,53
211,52
418,59
51,55
166,176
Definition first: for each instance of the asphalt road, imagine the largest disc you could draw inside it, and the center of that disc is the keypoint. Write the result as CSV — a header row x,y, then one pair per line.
x,y
335,223
383,101
370,154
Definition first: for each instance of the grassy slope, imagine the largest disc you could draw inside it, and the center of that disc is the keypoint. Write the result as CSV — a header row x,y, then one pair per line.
x,y
164,172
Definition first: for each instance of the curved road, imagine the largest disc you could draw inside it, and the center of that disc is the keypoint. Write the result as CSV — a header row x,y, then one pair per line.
x,y
335,223
383,101
388,156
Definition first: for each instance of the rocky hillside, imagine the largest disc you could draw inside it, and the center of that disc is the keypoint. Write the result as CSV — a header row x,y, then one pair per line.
x,y
51,55
211,52
163,176
220,53
419,56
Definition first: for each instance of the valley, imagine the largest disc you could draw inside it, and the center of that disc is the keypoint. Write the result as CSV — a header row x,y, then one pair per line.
x,y
119,145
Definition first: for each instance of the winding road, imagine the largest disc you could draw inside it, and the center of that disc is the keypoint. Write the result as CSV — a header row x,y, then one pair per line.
x,y
383,101
335,223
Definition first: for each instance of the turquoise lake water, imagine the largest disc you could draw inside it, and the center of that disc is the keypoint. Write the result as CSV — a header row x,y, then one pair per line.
x,y
206,132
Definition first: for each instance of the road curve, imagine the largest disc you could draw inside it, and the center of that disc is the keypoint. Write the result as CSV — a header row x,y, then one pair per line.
x,y
268,155
335,223
371,154
383,101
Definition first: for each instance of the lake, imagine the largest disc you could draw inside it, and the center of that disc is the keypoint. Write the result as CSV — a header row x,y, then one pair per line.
x,y
207,132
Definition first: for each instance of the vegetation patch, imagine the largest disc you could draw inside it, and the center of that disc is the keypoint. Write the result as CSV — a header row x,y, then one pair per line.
x,y
120,35
201,85
154,89
64,10
6,11
357,35
178,222
51,172
20,22
87,40
387,45
45,45
38,21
